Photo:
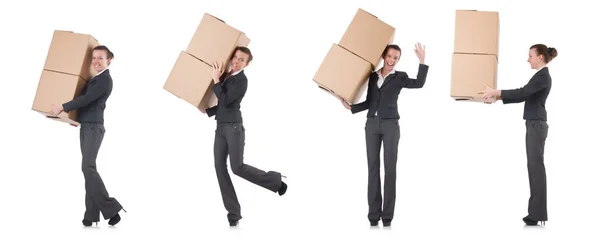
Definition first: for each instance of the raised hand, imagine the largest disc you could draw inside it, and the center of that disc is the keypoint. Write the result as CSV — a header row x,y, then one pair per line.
x,y
420,51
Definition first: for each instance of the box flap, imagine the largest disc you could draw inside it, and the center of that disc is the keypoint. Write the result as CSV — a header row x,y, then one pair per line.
x,y
360,9
215,17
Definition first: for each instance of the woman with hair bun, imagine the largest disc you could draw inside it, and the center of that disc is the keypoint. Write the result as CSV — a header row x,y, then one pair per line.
x,y
534,94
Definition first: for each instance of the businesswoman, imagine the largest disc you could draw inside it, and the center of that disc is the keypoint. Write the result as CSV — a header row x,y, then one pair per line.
x,y
384,86
91,104
230,134
534,94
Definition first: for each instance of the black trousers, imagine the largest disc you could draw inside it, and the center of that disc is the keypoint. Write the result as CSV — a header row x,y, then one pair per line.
x,y
229,141
535,140
96,197
377,131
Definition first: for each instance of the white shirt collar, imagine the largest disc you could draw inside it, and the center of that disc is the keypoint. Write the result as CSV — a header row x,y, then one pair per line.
x,y
231,75
100,72
380,75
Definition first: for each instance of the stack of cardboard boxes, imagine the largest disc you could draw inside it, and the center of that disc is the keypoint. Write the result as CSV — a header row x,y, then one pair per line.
x,y
66,71
475,58
191,76
347,66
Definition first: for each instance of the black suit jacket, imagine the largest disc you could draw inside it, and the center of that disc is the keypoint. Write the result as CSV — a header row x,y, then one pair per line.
x,y
229,91
534,94
384,99
92,101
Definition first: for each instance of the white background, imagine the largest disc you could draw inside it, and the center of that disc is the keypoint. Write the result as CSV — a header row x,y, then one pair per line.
x,y
461,167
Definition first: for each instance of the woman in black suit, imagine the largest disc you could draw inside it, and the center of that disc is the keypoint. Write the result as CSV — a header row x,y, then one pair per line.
x,y
384,86
534,94
91,104
230,88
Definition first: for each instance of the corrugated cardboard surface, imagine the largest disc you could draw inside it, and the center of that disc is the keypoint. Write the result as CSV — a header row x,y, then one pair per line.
x,y
190,79
214,40
476,32
343,73
71,53
57,88
470,74
367,36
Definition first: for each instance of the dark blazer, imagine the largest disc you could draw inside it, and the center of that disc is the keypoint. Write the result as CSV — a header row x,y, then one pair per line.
x,y
229,91
534,94
384,100
92,101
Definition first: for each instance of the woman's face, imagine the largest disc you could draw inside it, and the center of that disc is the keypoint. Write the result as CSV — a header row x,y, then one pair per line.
x,y
99,60
535,60
239,61
390,59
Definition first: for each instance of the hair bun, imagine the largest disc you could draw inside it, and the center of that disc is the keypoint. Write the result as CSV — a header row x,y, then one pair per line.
x,y
552,52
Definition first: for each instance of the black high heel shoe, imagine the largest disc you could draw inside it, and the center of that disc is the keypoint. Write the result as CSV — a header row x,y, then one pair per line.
x,y
531,222
282,189
88,223
374,222
387,222
114,220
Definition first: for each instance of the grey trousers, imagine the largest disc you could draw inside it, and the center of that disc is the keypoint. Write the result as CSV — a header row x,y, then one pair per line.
x,y
229,141
535,140
377,131
96,197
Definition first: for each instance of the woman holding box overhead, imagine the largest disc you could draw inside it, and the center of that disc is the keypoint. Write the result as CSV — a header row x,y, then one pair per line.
x,y
91,104
230,134
534,94
384,86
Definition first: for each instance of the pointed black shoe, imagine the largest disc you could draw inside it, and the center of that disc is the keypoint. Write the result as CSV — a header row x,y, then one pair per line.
x,y
374,222
114,220
387,222
86,223
233,222
282,189
529,222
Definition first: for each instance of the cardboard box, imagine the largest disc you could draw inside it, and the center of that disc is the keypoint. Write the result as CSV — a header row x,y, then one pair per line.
x,y
367,36
470,74
476,32
71,53
56,88
214,40
191,80
343,74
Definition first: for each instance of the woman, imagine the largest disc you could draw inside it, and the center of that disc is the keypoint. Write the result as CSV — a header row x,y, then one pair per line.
x,y
384,86
534,94
91,104
230,135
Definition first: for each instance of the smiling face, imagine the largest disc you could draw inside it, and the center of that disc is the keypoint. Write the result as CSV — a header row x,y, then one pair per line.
x,y
535,60
390,59
239,61
100,60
